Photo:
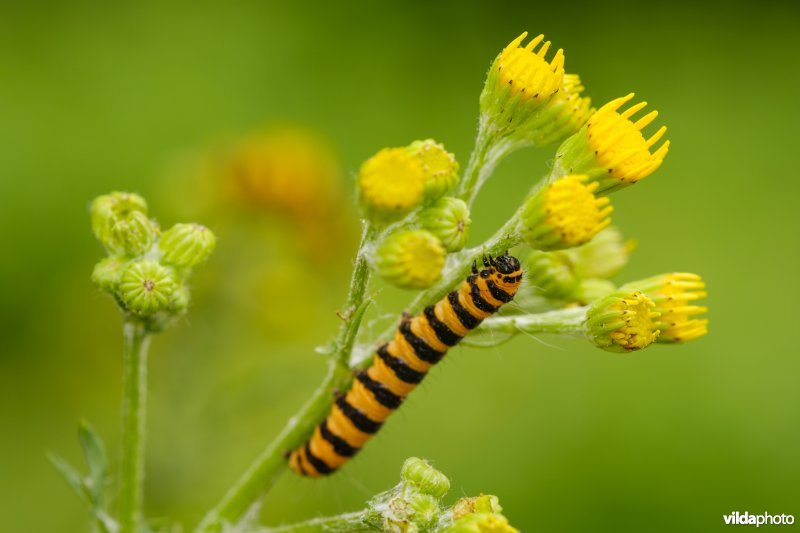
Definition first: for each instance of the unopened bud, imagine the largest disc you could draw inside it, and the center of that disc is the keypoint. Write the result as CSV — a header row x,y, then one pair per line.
x,y
439,166
146,287
410,259
187,245
448,220
419,473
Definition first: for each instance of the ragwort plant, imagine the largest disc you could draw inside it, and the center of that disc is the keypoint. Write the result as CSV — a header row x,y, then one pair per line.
x,y
415,207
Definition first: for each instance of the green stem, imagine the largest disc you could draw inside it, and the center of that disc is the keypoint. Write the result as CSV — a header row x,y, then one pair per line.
x,y
267,467
562,321
341,523
137,340
490,148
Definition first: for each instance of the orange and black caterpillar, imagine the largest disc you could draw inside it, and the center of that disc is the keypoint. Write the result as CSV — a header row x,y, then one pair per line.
x,y
400,365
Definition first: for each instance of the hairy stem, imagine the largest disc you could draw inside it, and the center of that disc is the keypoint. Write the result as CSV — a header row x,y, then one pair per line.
x,y
341,523
137,340
264,471
564,321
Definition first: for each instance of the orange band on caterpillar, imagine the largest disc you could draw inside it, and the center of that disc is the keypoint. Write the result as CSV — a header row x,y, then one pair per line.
x,y
400,365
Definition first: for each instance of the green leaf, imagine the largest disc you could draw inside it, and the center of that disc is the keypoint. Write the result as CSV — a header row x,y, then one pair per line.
x,y
71,476
95,454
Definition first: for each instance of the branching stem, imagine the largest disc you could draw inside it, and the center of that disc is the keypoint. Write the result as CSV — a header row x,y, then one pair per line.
x,y
268,466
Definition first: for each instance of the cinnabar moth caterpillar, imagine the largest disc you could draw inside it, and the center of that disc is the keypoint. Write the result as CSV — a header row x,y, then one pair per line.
x,y
400,365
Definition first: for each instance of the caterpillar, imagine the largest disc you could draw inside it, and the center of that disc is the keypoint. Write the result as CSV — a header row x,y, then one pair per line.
x,y
400,365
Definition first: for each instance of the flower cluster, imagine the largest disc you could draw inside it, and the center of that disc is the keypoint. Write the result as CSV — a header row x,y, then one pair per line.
x,y
415,504
146,271
403,193
528,99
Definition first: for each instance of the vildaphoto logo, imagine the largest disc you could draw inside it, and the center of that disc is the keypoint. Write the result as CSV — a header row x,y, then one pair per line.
x,y
747,519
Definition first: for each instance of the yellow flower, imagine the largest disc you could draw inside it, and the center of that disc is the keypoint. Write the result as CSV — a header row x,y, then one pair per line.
x,y
439,166
564,214
526,72
622,322
619,143
391,183
520,85
674,295
611,147
411,259
481,523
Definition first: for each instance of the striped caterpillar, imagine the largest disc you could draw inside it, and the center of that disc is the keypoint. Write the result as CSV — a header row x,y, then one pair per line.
x,y
400,365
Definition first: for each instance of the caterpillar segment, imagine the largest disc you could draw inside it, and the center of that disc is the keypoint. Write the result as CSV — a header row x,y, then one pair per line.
x,y
401,364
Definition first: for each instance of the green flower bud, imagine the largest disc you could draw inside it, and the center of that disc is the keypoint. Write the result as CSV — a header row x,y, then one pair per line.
x,y
602,257
551,273
420,474
448,220
108,208
623,321
423,510
481,523
107,272
181,297
187,245
146,287
120,223
485,503
439,166
410,259
132,235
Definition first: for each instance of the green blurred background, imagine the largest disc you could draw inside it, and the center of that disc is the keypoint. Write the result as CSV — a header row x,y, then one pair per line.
x,y
102,96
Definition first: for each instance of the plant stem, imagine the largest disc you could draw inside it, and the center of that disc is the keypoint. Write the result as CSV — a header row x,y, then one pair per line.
x,y
569,321
137,340
341,523
264,471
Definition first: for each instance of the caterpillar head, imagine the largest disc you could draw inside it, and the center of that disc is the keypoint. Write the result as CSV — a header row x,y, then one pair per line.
x,y
504,271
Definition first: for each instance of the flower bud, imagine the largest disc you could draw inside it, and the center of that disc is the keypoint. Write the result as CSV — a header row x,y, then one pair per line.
x,y
481,523
566,113
120,223
520,82
106,209
423,510
428,480
107,272
485,503
146,287
448,220
132,235
602,257
563,214
439,166
391,184
181,297
410,259
611,148
551,274
623,321
187,245
673,295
